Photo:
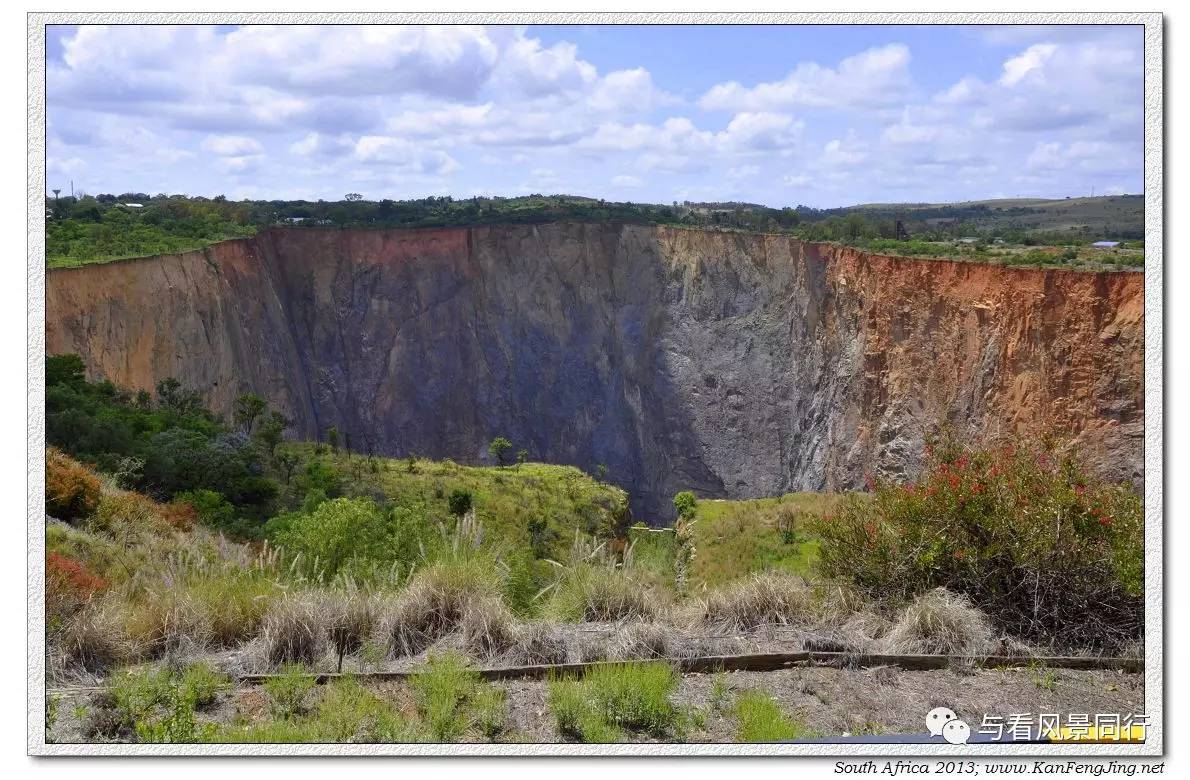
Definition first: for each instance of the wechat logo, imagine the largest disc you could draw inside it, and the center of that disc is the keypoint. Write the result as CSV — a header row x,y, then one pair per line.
x,y
942,722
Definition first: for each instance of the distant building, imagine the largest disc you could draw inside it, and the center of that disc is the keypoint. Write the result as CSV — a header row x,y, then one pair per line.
x,y
132,205
1106,244
968,240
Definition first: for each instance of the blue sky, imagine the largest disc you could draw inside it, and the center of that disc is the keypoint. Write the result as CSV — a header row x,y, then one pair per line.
x,y
781,115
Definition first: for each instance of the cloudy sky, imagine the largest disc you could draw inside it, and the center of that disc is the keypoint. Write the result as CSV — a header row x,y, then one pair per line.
x,y
781,115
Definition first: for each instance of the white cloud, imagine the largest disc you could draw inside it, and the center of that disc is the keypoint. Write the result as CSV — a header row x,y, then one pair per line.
x,y
875,77
1029,61
407,111
231,145
403,154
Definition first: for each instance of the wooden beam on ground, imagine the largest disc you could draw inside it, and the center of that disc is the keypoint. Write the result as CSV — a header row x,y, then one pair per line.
x,y
769,662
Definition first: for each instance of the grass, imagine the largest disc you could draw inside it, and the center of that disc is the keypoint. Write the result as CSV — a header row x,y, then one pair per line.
x,y
773,598
613,699
940,622
342,711
759,719
288,690
735,538
453,700
598,592
158,705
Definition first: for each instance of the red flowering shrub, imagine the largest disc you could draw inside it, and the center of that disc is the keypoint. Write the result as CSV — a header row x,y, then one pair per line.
x,y
72,490
1050,553
69,584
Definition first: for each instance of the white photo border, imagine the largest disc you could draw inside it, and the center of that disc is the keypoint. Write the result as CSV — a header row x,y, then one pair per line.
x,y
1154,315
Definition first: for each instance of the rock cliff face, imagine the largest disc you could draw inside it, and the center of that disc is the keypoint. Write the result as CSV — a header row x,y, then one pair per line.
x,y
733,365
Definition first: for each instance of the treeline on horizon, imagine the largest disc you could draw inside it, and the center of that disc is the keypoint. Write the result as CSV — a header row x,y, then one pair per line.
x,y
84,229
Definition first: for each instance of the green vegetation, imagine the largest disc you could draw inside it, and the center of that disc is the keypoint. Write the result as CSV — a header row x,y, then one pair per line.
x,y
611,699
289,689
159,705
732,539
453,700
356,563
1021,529
759,719
164,445
96,229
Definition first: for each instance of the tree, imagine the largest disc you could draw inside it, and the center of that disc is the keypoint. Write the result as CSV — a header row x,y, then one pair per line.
x,y
601,472
338,531
459,502
522,456
271,430
686,504
248,408
498,448
353,197
332,438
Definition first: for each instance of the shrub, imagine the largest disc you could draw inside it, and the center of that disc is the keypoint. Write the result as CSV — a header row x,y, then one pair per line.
x,y
499,448
1048,552
349,712
538,642
940,622
350,618
167,619
72,491
69,585
487,626
759,719
686,505
128,517
288,690
233,604
459,502
337,532
158,705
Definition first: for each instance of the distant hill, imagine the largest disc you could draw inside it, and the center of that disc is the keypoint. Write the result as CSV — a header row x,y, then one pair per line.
x,y
1115,216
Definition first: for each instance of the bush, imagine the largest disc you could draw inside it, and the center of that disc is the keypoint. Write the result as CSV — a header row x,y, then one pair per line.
x,y
166,620
338,532
128,517
459,502
95,638
69,585
233,603
1048,552
158,705
72,491
759,719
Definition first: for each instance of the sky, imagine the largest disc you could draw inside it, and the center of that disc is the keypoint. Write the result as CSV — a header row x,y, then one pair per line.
x,y
780,115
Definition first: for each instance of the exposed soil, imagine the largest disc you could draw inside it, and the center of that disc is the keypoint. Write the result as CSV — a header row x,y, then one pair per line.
x,y
828,701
